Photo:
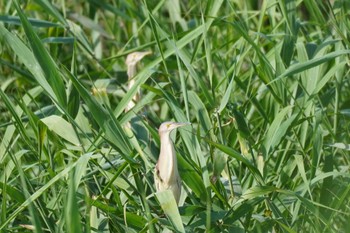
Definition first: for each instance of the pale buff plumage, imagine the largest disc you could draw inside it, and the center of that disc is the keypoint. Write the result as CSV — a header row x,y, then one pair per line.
x,y
166,172
131,60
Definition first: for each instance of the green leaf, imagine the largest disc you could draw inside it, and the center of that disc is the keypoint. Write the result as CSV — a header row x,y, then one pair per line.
x,y
226,96
308,204
12,192
257,191
340,145
106,120
300,67
34,22
28,59
234,154
62,128
201,113
278,129
49,8
59,40
35,219
40,192
192,178
44,59
168,204
72,216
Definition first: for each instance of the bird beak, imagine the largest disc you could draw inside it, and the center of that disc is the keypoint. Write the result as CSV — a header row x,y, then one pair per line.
x,y
180,124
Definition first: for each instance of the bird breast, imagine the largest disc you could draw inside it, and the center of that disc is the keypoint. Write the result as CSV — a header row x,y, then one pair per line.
x,y
167,163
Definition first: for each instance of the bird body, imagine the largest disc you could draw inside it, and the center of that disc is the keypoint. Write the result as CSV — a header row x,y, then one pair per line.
x,y
166,171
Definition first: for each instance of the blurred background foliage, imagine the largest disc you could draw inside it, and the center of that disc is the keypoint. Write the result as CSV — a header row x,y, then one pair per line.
x,y
265,85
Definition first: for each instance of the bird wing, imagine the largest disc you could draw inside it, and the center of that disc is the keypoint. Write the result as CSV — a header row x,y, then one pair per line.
x,y
157,179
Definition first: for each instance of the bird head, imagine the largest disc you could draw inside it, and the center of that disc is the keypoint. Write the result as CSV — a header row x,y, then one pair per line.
x,y
135,57
168,126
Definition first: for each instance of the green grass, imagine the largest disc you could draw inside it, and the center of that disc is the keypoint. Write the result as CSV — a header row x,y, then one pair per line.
x,y
266,87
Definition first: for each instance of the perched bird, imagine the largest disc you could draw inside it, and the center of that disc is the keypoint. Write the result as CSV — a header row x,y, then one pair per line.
x,y
131,60
166,173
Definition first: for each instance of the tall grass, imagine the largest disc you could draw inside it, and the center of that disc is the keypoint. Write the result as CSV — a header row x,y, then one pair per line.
x,y
265,85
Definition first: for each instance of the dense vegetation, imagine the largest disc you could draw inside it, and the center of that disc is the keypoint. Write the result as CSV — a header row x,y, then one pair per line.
x,y
265,85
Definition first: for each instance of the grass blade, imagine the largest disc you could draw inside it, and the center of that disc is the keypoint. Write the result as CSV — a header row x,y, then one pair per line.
x,y
44,59
168,204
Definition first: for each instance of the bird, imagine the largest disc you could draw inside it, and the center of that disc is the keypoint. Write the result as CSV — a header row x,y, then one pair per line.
x,y
131,60
166,174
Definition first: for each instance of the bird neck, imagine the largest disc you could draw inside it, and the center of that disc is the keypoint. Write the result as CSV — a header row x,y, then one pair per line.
x,y
168,157
131,71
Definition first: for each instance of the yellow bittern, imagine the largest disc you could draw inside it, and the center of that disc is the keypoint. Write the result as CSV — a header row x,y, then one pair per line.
x,y
131,60
166,173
